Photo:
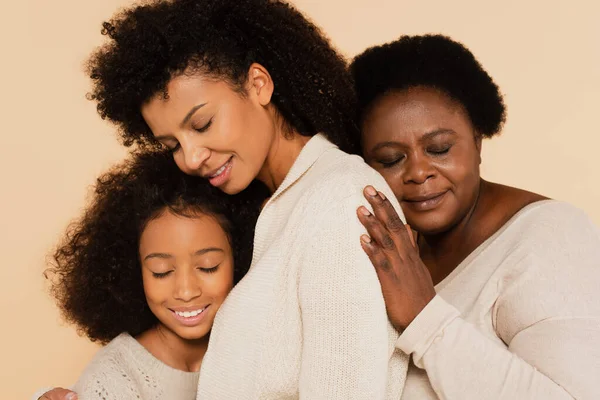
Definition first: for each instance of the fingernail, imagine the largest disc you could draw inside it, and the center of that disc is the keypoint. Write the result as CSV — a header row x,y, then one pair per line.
x,y
382,196
364,211
71,396
371,191
365,239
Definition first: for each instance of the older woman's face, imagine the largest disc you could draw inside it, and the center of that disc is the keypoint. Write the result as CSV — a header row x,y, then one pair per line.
x,y
424,145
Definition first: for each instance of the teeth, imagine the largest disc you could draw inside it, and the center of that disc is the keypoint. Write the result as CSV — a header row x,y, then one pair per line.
x,y
220,170
189,314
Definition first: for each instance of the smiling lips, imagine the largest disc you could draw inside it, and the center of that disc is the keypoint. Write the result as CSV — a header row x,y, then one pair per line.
x,y
425,202
190,317
221,175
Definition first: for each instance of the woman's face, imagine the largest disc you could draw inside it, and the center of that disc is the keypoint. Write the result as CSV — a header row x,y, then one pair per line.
x,y
187,271
424,145
214,131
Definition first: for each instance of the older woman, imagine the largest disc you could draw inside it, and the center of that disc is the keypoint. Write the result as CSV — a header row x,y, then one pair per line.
x,y
498,296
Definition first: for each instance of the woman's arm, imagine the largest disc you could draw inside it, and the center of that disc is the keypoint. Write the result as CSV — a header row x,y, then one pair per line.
x,y
549,318
347,339
461,362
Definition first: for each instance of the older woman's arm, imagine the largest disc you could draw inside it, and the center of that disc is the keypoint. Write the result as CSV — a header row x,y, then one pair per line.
x,y
551,359
547,315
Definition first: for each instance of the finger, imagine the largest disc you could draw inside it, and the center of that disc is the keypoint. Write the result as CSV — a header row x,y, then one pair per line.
x,y
386,213
411,235
376,256
376,230
59,394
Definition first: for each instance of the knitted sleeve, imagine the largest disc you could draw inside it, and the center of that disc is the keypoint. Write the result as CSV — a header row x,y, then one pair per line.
x,y
547,314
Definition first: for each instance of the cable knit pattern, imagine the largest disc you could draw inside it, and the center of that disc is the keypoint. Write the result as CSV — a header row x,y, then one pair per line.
x,y
518,319
125,370
308,321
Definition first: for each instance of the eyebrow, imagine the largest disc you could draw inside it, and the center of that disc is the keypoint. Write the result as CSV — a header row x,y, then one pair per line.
x,y
191,113
435,133
183,122
424,138
200,252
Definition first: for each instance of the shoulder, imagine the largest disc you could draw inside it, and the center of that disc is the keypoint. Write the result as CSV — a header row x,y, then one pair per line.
x,y
108,374
338,177
552,265
556,226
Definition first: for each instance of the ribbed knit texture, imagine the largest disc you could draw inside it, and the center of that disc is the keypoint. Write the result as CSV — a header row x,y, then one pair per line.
x,y
308,321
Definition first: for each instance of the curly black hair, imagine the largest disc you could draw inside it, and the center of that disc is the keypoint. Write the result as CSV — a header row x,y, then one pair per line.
x,y
433,61
95,273
151,43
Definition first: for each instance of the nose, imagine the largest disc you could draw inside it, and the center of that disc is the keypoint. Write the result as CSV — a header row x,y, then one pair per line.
x,y
195,156
418,170
187,286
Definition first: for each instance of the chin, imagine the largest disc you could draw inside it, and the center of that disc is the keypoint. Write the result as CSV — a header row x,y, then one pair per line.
x,y
192,334
234,187
427,225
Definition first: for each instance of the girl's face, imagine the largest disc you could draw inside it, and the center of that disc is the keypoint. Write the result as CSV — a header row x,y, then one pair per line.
x,y
187,271
214,131
424,145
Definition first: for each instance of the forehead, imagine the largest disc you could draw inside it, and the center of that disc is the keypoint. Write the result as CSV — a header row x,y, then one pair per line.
x,y
170,229
183,92
415,110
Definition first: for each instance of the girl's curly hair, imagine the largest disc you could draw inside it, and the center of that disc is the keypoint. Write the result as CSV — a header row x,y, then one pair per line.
x,y
151,43
96,275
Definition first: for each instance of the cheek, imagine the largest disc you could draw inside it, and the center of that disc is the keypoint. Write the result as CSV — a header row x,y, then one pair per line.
x,y
393,177
221,284
154,292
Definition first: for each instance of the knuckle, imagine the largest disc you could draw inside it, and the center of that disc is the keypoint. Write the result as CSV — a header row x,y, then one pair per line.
x,y
387,242
385,264
394,223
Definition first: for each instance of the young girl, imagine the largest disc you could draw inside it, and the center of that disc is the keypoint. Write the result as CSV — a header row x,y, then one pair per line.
x,y
145,270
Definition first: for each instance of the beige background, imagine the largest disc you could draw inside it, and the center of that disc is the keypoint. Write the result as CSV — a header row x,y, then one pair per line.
x,y
544,56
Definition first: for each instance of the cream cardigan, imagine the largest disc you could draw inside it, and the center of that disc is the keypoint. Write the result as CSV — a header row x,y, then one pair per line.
x,y
519,318
308,321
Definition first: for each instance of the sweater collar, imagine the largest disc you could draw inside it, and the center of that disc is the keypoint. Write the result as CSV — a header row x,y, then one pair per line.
x,y
310,153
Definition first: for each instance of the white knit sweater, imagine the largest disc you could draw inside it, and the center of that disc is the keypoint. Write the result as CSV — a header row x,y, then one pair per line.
x,y
308,321
519,318
125,370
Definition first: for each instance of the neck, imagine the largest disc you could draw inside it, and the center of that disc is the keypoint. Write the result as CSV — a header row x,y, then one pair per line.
x,y
284,151
173,350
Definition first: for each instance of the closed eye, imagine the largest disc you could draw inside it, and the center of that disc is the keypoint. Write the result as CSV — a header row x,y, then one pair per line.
x,y
175,149
204,128
439,150
211,270
160,275
390,163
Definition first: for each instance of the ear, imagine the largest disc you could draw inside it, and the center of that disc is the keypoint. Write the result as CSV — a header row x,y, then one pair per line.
x,y
260,83
478,144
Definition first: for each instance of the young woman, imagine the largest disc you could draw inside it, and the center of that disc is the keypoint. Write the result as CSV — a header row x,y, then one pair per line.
x,y
250,89
498,299
145,270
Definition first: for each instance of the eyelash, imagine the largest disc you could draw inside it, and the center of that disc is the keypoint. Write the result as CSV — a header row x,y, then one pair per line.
x,y
435,152
205,127
389,164
211,270
438,152
160,275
